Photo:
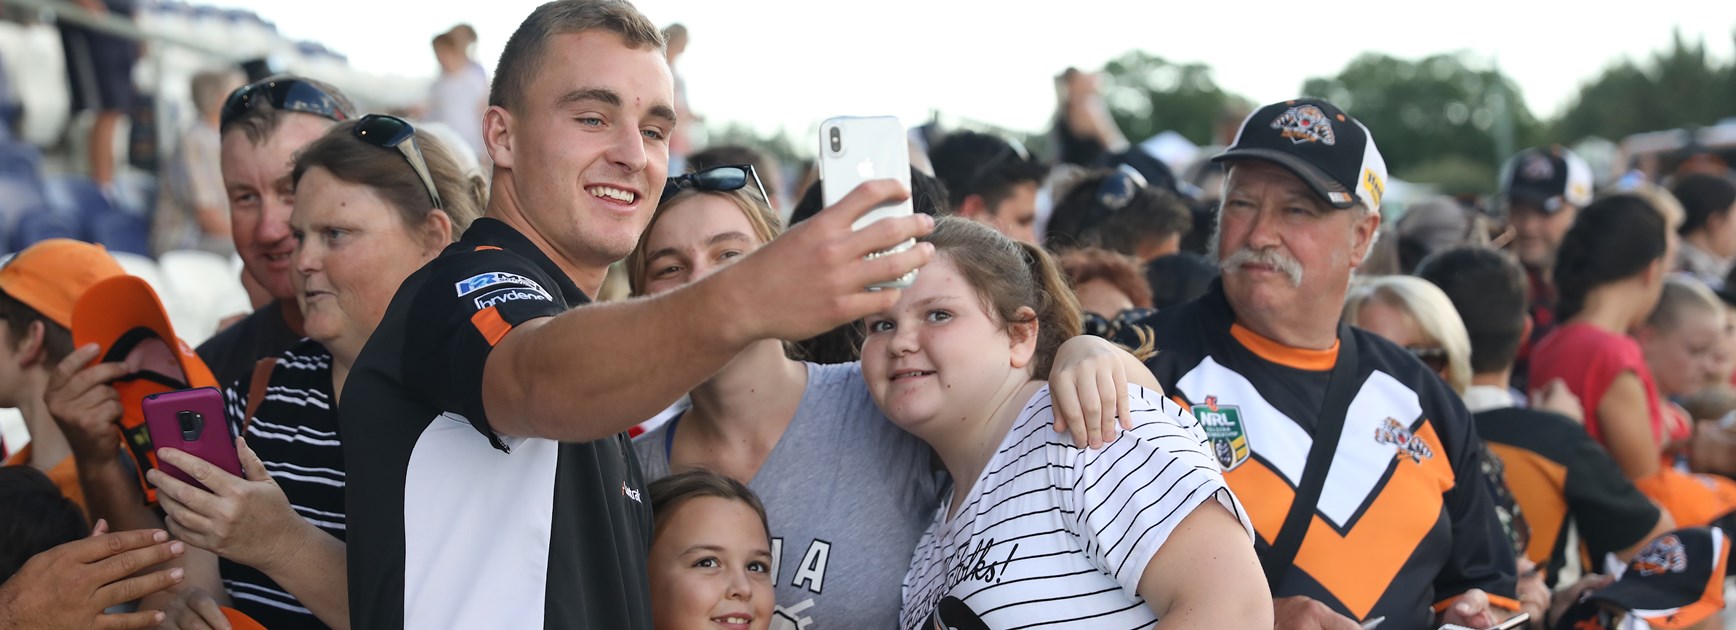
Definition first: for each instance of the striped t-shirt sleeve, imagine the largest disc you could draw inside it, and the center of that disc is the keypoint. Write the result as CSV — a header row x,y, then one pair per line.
x,y
1131,494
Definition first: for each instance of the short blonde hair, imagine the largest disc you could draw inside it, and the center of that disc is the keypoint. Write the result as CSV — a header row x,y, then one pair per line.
x,y
1433,313
1680,294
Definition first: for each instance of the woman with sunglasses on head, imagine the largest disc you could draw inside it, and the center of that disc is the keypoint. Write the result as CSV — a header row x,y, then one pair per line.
x,y
847,492
375,200
1037,531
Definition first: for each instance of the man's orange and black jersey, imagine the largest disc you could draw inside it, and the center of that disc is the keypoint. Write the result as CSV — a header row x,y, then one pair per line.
x,y
1562,477
1403,524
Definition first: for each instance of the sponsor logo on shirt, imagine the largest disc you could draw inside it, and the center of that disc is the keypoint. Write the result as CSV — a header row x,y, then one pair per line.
x,y
482,281
509,294
630,493
1229,437
1391,432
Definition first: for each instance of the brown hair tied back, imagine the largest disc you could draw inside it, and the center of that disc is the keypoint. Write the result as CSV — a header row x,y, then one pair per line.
x,y
1008,275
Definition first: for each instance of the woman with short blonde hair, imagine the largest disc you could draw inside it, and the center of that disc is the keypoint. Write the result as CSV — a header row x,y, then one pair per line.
x,y
1416,314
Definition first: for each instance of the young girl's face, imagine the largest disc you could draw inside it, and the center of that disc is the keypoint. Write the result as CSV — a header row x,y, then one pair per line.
x,y
711,568
938,356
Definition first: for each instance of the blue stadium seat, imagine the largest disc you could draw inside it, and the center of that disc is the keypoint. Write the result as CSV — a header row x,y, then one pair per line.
x,y
18,158
120,232
20,196
43,225
76,195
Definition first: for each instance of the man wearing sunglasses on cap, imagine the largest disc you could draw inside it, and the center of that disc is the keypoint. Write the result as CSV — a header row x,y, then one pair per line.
x,y
490,479
263,125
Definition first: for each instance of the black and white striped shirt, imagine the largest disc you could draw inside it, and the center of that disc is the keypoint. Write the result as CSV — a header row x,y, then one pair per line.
x,y
295,432
1053,535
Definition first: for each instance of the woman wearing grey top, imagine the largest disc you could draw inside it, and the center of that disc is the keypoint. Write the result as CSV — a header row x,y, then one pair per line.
x,y
843,488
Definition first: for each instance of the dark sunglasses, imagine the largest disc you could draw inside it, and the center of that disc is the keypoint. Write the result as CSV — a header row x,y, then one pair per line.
x,y
292,95
392,132
715,179
1435,358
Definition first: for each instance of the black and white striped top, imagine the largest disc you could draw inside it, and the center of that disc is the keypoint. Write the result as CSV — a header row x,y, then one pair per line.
x,y
1053,535
295,433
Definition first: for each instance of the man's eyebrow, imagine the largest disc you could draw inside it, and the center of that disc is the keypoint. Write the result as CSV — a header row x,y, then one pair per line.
x,y
605,96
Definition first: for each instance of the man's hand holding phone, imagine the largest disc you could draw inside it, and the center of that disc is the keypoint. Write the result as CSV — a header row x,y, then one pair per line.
x,y
247,520
816,276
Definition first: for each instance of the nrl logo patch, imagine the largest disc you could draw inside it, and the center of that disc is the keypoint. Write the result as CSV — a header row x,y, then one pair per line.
x,y
1223,424
1391,432
1305,124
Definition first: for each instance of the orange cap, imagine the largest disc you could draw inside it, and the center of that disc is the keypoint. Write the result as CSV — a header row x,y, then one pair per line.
x,y
51,275
120,314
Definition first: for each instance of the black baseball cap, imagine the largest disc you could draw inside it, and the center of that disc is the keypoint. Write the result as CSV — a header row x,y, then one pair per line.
x,y
1328,149
1676,581
1549,177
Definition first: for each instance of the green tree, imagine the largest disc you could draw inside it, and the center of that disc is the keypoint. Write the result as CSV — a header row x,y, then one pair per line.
x,y
1432,116
779,144
1679,87
1148,95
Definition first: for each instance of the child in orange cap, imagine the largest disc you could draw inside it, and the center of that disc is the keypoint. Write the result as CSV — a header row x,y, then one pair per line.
x,y
38,289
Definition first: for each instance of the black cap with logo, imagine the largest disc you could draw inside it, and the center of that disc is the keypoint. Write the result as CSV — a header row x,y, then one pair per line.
x,y
1325,147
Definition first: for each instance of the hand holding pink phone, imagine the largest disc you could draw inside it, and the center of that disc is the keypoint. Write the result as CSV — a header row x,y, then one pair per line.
x,y
192,420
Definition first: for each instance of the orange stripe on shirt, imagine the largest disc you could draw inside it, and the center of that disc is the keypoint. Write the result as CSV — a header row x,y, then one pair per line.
x,y
489,323
485,247
1298,358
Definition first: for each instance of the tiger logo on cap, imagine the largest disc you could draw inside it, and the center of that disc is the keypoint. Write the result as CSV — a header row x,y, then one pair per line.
x,y
1305,123
1664,555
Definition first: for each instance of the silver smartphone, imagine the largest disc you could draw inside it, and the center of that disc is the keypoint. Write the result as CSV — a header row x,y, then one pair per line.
x,y
857,149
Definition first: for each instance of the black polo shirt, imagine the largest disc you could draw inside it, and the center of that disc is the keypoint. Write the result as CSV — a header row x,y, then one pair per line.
x,y
233,351
452,525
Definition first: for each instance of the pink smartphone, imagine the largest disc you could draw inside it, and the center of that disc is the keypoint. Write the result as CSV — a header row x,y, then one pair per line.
x,y
192,420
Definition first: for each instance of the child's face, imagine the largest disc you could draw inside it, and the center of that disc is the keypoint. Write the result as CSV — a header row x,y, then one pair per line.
x,y
937,355
711,568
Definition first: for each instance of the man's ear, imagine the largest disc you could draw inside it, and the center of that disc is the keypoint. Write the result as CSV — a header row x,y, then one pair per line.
x,y
1022,337
973,207
1363,233
497,135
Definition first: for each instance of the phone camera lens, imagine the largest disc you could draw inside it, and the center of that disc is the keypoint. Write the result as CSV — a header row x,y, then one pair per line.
x,y
192,424
837,140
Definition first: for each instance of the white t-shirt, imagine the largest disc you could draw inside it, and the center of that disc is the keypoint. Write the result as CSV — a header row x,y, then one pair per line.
x,y
1054,534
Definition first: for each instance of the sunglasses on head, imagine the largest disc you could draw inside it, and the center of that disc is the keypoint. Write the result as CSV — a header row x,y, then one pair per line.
x,y
292,95
1114,193
715,179
392,132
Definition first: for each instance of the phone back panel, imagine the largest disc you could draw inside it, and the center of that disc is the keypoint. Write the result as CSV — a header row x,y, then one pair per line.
x,y
873,147
857,149
209,438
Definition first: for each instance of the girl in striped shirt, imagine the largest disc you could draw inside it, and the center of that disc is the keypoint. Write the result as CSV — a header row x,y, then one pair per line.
x,y
1141,533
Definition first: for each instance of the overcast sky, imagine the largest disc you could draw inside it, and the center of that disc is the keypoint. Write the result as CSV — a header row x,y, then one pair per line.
x,y
791,63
